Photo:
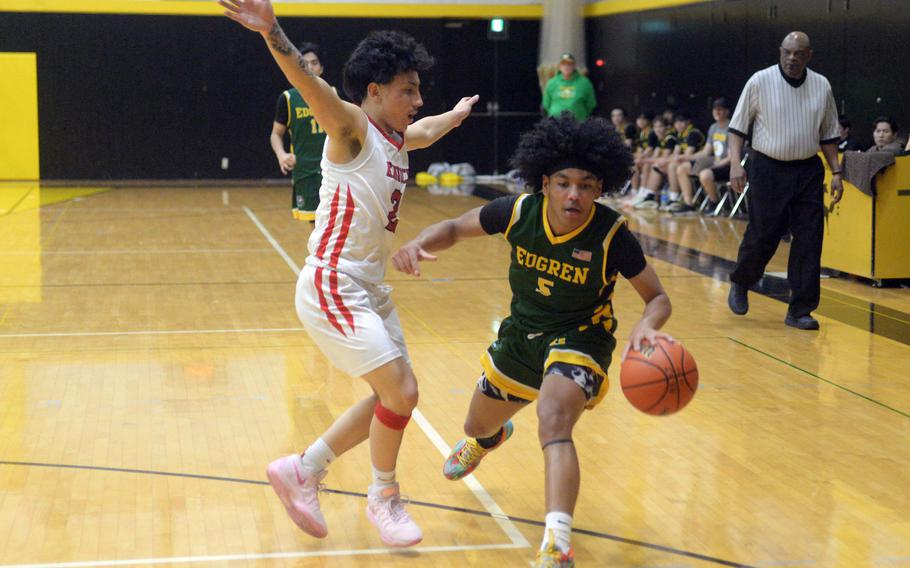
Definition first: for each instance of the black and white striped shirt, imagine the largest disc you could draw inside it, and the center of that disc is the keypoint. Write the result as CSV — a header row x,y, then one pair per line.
x,y
790,121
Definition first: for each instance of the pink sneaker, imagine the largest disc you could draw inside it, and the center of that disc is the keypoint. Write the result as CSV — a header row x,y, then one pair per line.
x,y
297,492
385,509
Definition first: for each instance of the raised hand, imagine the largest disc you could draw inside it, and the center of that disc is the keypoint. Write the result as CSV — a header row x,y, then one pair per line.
x,y
464,106
256,15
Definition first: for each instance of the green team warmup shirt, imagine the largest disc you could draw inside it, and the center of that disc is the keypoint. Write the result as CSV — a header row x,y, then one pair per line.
x,y
562,286
307,137
575,94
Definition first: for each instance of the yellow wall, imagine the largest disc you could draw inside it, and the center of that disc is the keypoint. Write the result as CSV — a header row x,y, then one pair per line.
x,y
441,9
20,220
609,7
378,9
18,116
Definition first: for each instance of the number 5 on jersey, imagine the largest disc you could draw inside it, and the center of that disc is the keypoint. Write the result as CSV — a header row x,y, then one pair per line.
x,y
543,286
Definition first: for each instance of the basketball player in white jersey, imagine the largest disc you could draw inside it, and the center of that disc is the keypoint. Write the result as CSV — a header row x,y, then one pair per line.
x,y
340,299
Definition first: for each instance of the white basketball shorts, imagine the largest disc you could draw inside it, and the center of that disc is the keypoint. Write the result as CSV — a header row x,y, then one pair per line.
x,y
354,323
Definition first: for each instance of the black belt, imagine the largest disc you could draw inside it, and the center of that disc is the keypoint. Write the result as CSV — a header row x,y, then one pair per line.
x,y
791,163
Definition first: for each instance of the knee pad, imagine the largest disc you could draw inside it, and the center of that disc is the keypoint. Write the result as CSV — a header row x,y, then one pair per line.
x,y
389,418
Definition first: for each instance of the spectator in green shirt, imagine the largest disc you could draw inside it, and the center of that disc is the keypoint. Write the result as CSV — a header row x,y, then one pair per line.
x,y
569,90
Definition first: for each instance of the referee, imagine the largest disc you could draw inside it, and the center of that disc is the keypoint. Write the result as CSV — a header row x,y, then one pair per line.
x,y
792,112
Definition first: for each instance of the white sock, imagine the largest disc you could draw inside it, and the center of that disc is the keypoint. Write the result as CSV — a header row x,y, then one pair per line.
x,y
317,457
674,197
559,527
383,477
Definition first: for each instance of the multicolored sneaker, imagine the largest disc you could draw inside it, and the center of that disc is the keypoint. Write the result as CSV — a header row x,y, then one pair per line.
x,y
466,455
297,492
385,509
552,557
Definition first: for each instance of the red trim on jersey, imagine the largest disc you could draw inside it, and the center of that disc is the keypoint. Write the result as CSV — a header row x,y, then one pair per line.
x,y
397,145
345,227
327,234
336,252
324,304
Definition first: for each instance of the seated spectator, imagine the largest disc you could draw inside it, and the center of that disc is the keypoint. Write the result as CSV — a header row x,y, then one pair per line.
x,y
885,136
662,144
711,164
642,151
847,142
622,125
689,141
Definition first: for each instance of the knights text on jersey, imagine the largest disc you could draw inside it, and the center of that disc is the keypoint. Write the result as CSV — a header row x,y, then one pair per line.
x,y
358,208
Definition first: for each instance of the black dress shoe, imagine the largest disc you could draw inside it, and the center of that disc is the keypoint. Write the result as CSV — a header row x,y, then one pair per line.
x,y
802,322
738,300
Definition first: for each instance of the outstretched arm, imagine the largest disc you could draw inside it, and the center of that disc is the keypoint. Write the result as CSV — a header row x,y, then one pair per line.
x,y
657,310
428,130
341,120
436,237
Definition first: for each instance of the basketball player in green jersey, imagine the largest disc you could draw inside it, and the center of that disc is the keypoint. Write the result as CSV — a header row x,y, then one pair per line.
x,y
293,115
557,343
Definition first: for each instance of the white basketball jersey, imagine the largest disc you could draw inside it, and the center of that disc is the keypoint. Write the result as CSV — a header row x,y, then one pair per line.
x,y
358,208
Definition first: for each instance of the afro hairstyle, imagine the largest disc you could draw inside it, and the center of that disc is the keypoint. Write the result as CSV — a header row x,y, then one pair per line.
x,y
559,139
379,58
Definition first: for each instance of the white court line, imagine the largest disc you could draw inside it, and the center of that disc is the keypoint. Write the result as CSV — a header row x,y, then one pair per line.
x,y
518,540
128,251
272,240
480,493
262,556
152,332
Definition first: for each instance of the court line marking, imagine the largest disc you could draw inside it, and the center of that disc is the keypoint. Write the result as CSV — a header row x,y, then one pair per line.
x,y
536,523
429,431
260,556
268,236
129,251
811,374
152,332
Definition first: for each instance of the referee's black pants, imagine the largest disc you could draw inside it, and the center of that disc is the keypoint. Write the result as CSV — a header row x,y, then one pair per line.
x,y
784,195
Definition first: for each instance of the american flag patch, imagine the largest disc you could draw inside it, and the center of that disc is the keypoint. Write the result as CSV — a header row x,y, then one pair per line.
x,y
584,255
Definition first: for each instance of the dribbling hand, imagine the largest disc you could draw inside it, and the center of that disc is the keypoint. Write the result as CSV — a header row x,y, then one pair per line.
x,y
643,334
256,15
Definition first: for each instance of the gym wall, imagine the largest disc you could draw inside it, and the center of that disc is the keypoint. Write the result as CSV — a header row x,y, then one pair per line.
x,y
686,55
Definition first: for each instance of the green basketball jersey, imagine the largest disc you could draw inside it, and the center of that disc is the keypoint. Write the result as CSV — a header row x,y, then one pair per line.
x,y
307,137
560,281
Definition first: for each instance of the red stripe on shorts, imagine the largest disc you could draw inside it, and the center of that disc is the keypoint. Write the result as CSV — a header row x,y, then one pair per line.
x,y
324,304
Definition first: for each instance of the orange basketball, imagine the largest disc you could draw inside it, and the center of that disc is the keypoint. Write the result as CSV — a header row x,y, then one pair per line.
x,y
660,379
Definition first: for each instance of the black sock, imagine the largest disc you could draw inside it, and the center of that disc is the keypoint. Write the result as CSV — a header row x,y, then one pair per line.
x,y
487,443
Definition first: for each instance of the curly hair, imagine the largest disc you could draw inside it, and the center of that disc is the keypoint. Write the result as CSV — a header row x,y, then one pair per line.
x,y
563,139
379,58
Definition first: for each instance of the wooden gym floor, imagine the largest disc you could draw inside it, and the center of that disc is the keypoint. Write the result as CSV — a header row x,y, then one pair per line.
x,y
151,365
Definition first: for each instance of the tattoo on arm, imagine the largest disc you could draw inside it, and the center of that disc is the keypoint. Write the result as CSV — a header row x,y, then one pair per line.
x,y
278,41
